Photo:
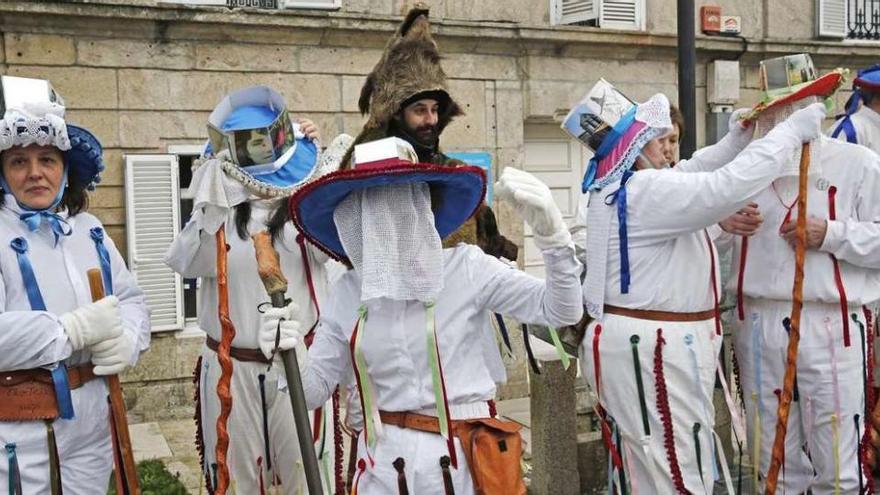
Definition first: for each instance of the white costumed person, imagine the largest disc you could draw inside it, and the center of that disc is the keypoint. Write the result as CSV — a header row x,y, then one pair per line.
x,y
826,425
54,414
652,281
407,321
256,157
861,122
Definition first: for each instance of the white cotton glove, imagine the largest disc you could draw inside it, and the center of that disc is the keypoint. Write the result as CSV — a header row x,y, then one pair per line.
x,y
806,123
281,324
112,356
739,130
92,323
534,202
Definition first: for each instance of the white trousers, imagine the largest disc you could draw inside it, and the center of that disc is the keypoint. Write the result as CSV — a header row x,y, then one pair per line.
x,y
246,456
83,444
688,359
421,453
826,423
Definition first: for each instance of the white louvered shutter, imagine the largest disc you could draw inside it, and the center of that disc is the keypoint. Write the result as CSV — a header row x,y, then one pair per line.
x,y
572,11
622,14
831,18
152,202
310,4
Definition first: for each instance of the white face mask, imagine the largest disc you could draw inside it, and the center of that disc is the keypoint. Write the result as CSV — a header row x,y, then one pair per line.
x,y
389,235
768,120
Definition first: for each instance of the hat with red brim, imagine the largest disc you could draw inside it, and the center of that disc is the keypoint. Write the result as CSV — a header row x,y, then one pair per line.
x,y
795,68
456,194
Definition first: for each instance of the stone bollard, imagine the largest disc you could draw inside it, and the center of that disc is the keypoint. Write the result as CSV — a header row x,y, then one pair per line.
x,y
554,427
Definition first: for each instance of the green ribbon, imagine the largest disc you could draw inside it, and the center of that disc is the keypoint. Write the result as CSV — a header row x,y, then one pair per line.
x,y
557,343
368,404
436,372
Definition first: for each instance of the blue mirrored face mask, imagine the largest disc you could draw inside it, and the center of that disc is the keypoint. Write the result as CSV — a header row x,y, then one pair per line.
x,y
255,146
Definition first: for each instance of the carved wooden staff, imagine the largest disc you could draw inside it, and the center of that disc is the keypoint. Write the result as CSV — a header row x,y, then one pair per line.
x,y
269,268
777,455
224,392
123,457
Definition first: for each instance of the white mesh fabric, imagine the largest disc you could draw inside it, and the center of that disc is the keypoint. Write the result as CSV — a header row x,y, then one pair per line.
x,y
37,123
655,113
389,235
769,119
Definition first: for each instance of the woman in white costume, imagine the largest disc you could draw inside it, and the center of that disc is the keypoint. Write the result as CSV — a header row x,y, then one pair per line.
x,y
54,341
235,186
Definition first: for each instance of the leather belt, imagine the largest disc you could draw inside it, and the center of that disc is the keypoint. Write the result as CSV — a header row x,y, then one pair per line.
x,y
648,314
239,353
413,421
27,395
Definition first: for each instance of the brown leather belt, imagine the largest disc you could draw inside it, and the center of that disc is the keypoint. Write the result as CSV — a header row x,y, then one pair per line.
x,y
648,314
27,395
238,353
413,421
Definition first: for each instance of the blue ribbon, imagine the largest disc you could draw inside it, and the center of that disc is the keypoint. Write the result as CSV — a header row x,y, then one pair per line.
x,y
20,246
97,234
607,145
619,197
846,126
59,226
62,391
14,474
503,329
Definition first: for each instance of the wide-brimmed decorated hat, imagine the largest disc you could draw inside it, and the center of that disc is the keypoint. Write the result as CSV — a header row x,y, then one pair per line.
x,y
33,114
788,79
258,144
456,192
616,129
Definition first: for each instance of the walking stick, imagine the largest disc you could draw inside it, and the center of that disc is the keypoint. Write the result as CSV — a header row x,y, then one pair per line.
x,y
126,470
777,456
224,393
269,269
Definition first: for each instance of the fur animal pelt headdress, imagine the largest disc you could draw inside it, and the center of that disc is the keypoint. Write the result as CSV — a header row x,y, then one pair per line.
x,y
409,67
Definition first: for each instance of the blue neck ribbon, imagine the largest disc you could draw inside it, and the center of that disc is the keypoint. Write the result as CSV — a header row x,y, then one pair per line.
x,y
97,234
619,197
607,145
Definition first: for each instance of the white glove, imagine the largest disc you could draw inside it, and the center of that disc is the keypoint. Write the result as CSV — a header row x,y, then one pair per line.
x,y
92,323
280,324
740,130
112,356
806,123
534,202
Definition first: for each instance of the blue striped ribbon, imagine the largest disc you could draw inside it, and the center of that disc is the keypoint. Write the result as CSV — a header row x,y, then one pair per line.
x,y
14,474
20,246
97,235
619,197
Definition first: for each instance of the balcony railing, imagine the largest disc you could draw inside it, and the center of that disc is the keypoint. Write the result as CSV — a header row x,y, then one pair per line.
x,y
863,20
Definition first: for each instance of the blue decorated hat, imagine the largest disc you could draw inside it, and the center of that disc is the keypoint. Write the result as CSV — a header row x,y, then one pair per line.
x,y
252,133
33,114
456,192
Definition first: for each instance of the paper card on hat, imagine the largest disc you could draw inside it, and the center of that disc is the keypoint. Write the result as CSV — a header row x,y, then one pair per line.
x,y
391,148
23,92
596,114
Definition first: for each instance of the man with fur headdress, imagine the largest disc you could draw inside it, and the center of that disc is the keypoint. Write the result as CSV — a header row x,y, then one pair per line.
x,y
406,96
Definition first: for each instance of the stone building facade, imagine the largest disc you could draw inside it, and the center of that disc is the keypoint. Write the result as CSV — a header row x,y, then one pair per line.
x,y
144,75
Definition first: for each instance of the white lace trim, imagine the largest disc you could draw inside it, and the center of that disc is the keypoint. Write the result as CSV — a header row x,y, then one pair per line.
x,y
629,158
41,124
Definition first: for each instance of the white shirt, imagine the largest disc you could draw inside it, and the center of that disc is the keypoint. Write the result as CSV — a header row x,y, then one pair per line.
x,y
867,125
394,335
31,339
854,237
668,211
193,254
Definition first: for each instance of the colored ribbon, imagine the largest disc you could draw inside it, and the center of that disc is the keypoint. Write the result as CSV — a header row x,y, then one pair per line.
x,y
14,474
698,389
838,278
503,329
666,416
442,401
265,413
20,246
643,405
300,240
399,465
759,403
58,225
712,280
54,463
62,391
611,139
621,473
858,451
619,197
743,256
600,411
835,417
533,363
557,343
372,421
97,235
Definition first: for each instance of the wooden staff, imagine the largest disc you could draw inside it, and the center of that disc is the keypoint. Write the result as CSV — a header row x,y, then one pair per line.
x,y
126,470
269,268
224,392
777,455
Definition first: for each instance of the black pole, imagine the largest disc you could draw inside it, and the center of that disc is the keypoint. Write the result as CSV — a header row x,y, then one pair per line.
x,y
687,79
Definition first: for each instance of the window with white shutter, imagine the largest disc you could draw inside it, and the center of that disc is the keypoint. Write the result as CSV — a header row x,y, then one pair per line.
x,y
831,18
152,203
573,11
609,14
